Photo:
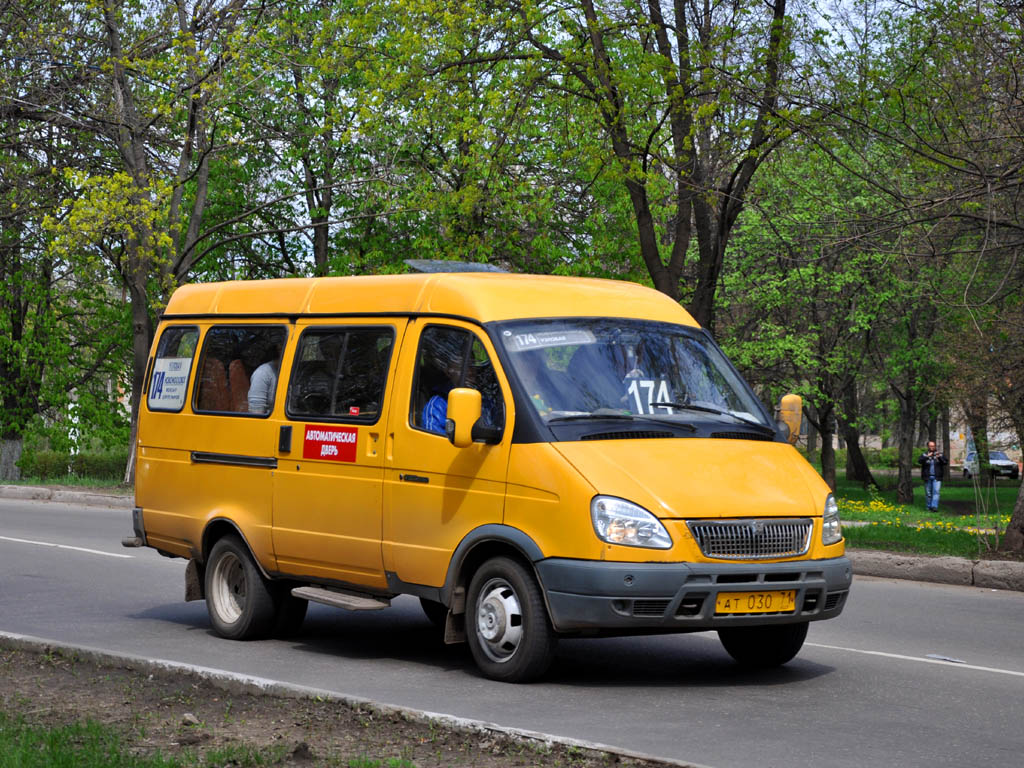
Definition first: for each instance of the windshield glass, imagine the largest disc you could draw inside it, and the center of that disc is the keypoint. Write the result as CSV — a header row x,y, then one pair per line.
x,y
581,367
997,455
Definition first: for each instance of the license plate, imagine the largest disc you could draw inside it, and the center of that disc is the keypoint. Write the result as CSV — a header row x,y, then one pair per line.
x,y
777,601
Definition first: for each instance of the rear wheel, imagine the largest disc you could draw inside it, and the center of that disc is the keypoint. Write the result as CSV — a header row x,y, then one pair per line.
x,y
763,647
507,624
239,601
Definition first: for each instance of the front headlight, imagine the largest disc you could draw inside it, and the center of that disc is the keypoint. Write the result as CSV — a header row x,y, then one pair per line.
x,y
831,528
618,521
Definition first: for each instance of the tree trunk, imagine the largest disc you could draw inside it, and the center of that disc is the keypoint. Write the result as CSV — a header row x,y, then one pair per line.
x,y
828,452
976,413
856,465
10,452
142,339
947,443
905,441
1013,537
812,439
828,459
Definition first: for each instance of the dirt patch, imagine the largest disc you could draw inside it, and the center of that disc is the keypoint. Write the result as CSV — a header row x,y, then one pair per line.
x,y
175,714
958,507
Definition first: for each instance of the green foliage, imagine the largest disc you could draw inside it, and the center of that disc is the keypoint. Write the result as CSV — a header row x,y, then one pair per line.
x,y
46,465
82,745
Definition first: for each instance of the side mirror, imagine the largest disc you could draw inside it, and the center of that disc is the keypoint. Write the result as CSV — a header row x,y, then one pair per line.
x,y
791,414
463,412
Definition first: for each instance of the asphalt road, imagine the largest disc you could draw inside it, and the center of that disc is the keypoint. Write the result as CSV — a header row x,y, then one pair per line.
x,y
874,687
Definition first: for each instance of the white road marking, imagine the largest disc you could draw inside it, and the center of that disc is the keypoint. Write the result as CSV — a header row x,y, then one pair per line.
x,y
953,664
64,546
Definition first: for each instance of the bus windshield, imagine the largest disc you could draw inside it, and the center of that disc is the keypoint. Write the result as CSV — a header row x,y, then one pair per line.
x,y
576,368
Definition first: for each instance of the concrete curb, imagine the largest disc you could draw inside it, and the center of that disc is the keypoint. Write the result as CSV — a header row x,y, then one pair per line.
x,y
76,496
990,574
235,683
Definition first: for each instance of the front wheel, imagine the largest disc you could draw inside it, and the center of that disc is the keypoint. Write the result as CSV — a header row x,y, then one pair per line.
x,y
240,604
507,624
763,647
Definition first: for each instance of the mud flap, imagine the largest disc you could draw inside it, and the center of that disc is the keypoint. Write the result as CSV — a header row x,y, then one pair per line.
x,y
193,582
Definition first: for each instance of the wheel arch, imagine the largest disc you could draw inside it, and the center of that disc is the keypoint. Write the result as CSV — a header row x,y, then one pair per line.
x,y
219,527
482,544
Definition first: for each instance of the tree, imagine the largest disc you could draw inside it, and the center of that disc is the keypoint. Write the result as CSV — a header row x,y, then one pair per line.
x,y
60,323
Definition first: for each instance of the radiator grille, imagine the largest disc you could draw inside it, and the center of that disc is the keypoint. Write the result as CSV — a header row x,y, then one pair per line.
x,y
833,600
752,539
649,607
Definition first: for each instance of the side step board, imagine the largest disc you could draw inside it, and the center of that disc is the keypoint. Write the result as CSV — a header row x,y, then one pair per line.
x,y
337,599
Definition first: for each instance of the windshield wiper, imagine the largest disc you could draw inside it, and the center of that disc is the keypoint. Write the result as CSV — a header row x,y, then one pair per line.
x,y
705,409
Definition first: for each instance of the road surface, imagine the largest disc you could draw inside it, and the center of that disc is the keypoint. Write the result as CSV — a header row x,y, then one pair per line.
x,y
911,674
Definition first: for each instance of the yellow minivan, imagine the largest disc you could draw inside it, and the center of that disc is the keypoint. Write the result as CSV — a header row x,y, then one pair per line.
x,y
533,457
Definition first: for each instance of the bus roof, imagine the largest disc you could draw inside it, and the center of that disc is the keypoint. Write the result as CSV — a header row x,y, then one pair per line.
x,y
483,297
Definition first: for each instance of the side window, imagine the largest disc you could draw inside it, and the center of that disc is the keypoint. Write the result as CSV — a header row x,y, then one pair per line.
x,y
340,373
449,358
238,369
168,385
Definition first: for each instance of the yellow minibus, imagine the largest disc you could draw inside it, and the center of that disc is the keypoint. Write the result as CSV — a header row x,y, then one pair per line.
x,y
533,457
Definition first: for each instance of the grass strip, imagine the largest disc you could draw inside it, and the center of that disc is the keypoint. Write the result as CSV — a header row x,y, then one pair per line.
x,y
925,539
80,745
92,745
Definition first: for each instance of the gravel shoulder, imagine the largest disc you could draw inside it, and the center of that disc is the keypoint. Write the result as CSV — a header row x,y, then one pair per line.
x,y
180,714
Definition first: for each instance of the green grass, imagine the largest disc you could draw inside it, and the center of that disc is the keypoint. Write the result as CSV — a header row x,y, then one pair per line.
x,y
92,745
73,481
957,495
83,745
965,525
936,540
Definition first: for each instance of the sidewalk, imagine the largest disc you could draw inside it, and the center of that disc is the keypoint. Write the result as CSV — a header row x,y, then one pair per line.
x,y
989,574
68,496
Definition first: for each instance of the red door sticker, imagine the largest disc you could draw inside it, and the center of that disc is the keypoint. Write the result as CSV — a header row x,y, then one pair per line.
x,y
330,443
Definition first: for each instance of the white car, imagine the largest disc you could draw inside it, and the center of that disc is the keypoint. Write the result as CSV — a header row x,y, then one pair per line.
x,y
1002,466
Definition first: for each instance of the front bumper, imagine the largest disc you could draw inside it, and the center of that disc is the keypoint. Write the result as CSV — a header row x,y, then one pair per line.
x,y
587,596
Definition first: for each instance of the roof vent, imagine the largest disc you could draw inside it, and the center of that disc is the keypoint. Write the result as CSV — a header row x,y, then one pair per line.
x,y
445,265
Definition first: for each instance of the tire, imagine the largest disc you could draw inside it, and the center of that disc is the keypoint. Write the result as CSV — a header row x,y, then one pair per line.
x,y
435,611
239,601
507,624
967,475
764,647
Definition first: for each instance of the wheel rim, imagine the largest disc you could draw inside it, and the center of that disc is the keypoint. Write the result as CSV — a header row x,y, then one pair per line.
x,y
499,620
229,588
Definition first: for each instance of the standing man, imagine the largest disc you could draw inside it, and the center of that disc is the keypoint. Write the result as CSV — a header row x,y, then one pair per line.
x,y
932,464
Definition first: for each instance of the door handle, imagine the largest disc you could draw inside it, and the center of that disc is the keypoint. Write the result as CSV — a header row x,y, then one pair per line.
x,y
414,478
284,439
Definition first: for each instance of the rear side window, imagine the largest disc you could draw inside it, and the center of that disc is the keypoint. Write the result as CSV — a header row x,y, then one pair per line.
x,y
168,385
340,374
238,369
